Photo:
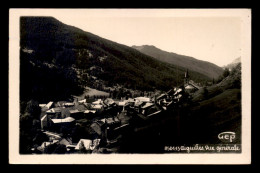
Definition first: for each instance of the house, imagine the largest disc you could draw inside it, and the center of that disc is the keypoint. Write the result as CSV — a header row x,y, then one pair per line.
x,y
87,144
45,122
178,91
97,127
65,112
191,87
89,111
45,144
122,103
81,107
162,96
138,105
65,141
67,104
97,108
70,148
56,124
76,114
145,107
98,102
54,113
130,100
109,121
109,102
52,136
142,99
89,114
42,105
63,120
117,121
165,104
82,101
112,122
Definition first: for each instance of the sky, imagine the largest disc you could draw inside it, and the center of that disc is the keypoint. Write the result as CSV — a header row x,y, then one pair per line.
x,y
206,36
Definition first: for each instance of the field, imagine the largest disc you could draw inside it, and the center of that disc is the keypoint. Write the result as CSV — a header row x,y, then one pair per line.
x,y
91,93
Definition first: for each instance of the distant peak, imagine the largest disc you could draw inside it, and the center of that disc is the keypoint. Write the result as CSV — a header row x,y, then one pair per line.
x,y
237,60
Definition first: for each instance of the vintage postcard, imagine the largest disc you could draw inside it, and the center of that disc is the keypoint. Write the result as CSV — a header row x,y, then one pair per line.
x,y
130,86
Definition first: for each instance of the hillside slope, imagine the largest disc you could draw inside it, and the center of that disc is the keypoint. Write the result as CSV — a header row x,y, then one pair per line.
x,y
217,111
47,42
207,68
234,63
232,81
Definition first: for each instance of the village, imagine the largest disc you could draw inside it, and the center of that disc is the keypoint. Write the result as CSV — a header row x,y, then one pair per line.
x,y
105,119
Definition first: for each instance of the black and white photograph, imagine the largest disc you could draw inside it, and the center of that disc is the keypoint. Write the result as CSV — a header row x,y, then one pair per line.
x,y
131,86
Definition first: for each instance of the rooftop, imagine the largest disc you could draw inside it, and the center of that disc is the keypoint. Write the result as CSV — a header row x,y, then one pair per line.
x,y
143,99
44,117
49,104
68,104
147,105
74,111
90,111
109,101
97,102
123,103
161,96
97,106
42,105
109,120
64,120
96,127
83,101
88,144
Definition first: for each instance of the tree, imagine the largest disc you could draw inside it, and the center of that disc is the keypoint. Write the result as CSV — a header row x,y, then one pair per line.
x,y
29,125
40,138
205,92
50,148
226,72
33,109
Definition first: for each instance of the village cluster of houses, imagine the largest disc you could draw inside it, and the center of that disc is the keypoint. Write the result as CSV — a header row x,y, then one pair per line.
x,y
64,114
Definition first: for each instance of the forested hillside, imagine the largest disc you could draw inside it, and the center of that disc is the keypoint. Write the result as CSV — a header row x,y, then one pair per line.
x,y
55,55
209,69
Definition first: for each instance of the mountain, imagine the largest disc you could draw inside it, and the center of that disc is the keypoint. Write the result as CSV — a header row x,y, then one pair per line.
x,y
233,64
203,67
58,60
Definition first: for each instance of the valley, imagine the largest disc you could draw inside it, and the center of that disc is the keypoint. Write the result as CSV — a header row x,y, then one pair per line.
x,y
80,93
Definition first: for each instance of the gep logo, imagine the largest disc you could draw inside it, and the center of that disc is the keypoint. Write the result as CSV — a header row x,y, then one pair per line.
x,y
227,136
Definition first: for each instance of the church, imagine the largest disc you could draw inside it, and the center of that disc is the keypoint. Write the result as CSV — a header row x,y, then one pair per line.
x,y
189,85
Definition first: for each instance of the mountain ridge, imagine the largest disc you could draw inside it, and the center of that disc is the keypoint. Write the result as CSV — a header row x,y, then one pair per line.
x,y
204,67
